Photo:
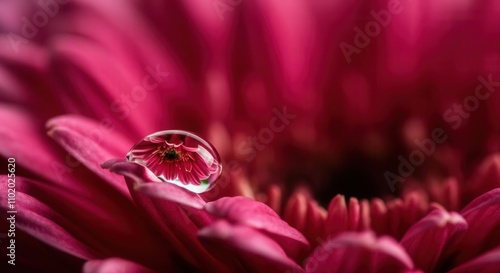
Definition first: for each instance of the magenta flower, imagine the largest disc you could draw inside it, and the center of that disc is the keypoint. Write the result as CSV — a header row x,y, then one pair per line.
x,y
356,136
179,157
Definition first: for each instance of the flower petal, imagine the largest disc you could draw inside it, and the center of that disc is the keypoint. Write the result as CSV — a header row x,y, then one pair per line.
x,y
83,63
171,192
316,216
102,132
91,143
35,253
248,212
289,26
395,211
336,220
101,229
379,216
13,89
27,142
274,198
486,263
22,138
483,217
156,188
486,177
114,265
178,225
446,193
296,210
359,252
304,214
426,241
354,214
133,90
46,224
108,164
255,252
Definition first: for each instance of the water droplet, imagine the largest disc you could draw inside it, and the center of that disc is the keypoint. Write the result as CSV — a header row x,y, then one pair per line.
x,y
180,158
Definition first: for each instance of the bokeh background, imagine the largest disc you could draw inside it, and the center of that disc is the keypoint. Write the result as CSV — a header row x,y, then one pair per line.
x,y
364,79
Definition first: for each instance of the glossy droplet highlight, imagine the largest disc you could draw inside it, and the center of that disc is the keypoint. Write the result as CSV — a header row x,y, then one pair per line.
x,y
180,158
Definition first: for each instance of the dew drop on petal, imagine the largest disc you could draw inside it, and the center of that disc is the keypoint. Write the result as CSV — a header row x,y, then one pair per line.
x,y
180,158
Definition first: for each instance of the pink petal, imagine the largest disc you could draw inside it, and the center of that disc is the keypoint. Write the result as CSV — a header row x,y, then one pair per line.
x,y
426,241
114,265
22,74
134,43
446,193
304,214
486,263
364,215
483,234
37,256
85,64
179,226
33,55
247,212
138,46
216,25
336,220
13,88
396,215
91,143
27,141
316,216
22,138
251,250
171,192
132,170
42,222
109,163
207,20
296,210
354,214
486,177
379,216
359,252
415,207
289,26
101,229
147,183
144,45
274,197
101,132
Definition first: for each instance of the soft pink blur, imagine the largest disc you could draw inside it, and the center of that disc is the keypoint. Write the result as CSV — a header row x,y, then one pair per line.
x,y
309,103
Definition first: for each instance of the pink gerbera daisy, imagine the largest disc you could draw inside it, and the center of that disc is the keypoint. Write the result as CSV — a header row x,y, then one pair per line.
x,y
179,157
356,136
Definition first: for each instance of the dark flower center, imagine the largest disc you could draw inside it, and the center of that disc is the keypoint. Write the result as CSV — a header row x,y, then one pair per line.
x,y
170,155
353,173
